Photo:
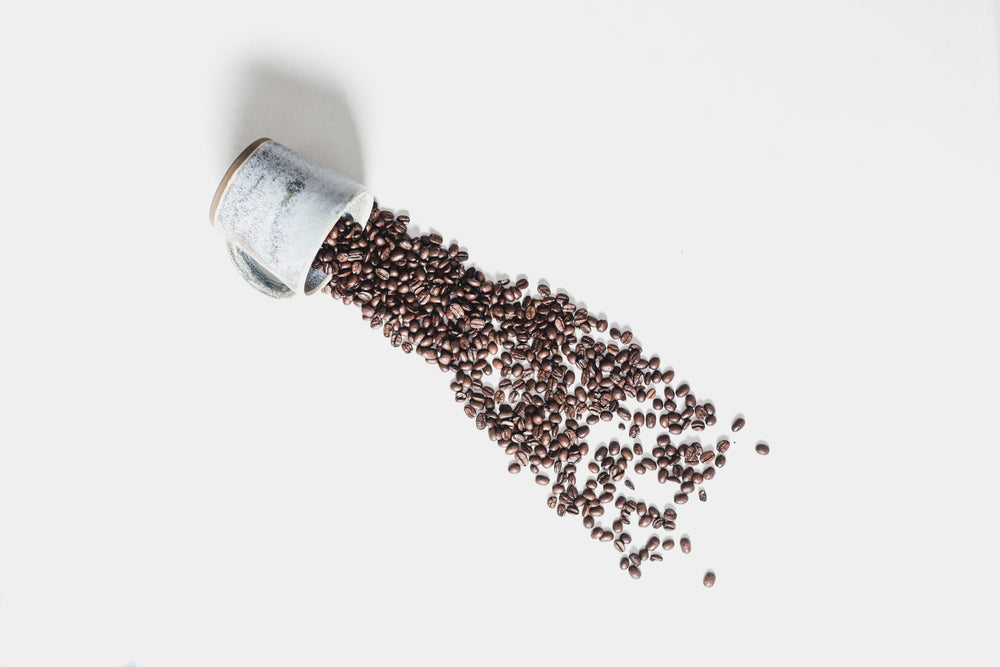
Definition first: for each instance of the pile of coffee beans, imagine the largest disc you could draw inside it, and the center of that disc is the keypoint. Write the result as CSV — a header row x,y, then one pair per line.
x,y
556,377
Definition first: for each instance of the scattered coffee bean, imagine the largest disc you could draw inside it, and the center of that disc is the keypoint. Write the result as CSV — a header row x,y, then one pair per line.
x,y
709,579
533,371
634,572
685,545
762,449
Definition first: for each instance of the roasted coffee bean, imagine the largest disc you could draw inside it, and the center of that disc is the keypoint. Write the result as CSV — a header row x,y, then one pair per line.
x,y
557,375
685,545
762,448
680,498
709,579
652,543
624,563
667,545
702,496
634,572
655,557
722,446
738,424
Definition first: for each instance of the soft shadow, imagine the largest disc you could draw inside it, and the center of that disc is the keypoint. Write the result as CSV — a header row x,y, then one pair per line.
x,y
303,111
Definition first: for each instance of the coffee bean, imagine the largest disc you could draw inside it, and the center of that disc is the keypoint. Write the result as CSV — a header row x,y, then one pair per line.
x,y
557,375
738,424
709,579
655,557
685,545
634,572
762,448
702,495
624,563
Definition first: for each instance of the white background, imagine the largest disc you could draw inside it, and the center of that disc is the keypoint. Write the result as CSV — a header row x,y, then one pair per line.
x,y
794,203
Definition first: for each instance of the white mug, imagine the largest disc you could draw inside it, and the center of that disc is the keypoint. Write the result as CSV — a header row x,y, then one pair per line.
x,y
275,208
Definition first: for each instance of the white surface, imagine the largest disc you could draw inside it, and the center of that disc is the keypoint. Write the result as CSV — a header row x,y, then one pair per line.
x,y
795,204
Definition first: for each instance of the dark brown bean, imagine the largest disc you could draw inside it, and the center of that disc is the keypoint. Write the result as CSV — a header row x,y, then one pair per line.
x,y
554,379
762,449
634,572
685,545
709,579
738,424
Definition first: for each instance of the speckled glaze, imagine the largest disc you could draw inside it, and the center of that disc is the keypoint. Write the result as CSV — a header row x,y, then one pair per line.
x,y
275,208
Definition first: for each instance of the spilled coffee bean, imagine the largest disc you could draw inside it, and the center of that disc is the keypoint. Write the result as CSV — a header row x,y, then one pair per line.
x,y
534,373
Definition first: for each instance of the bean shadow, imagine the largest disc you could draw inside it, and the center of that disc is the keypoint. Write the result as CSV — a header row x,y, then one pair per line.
x,y
306,111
